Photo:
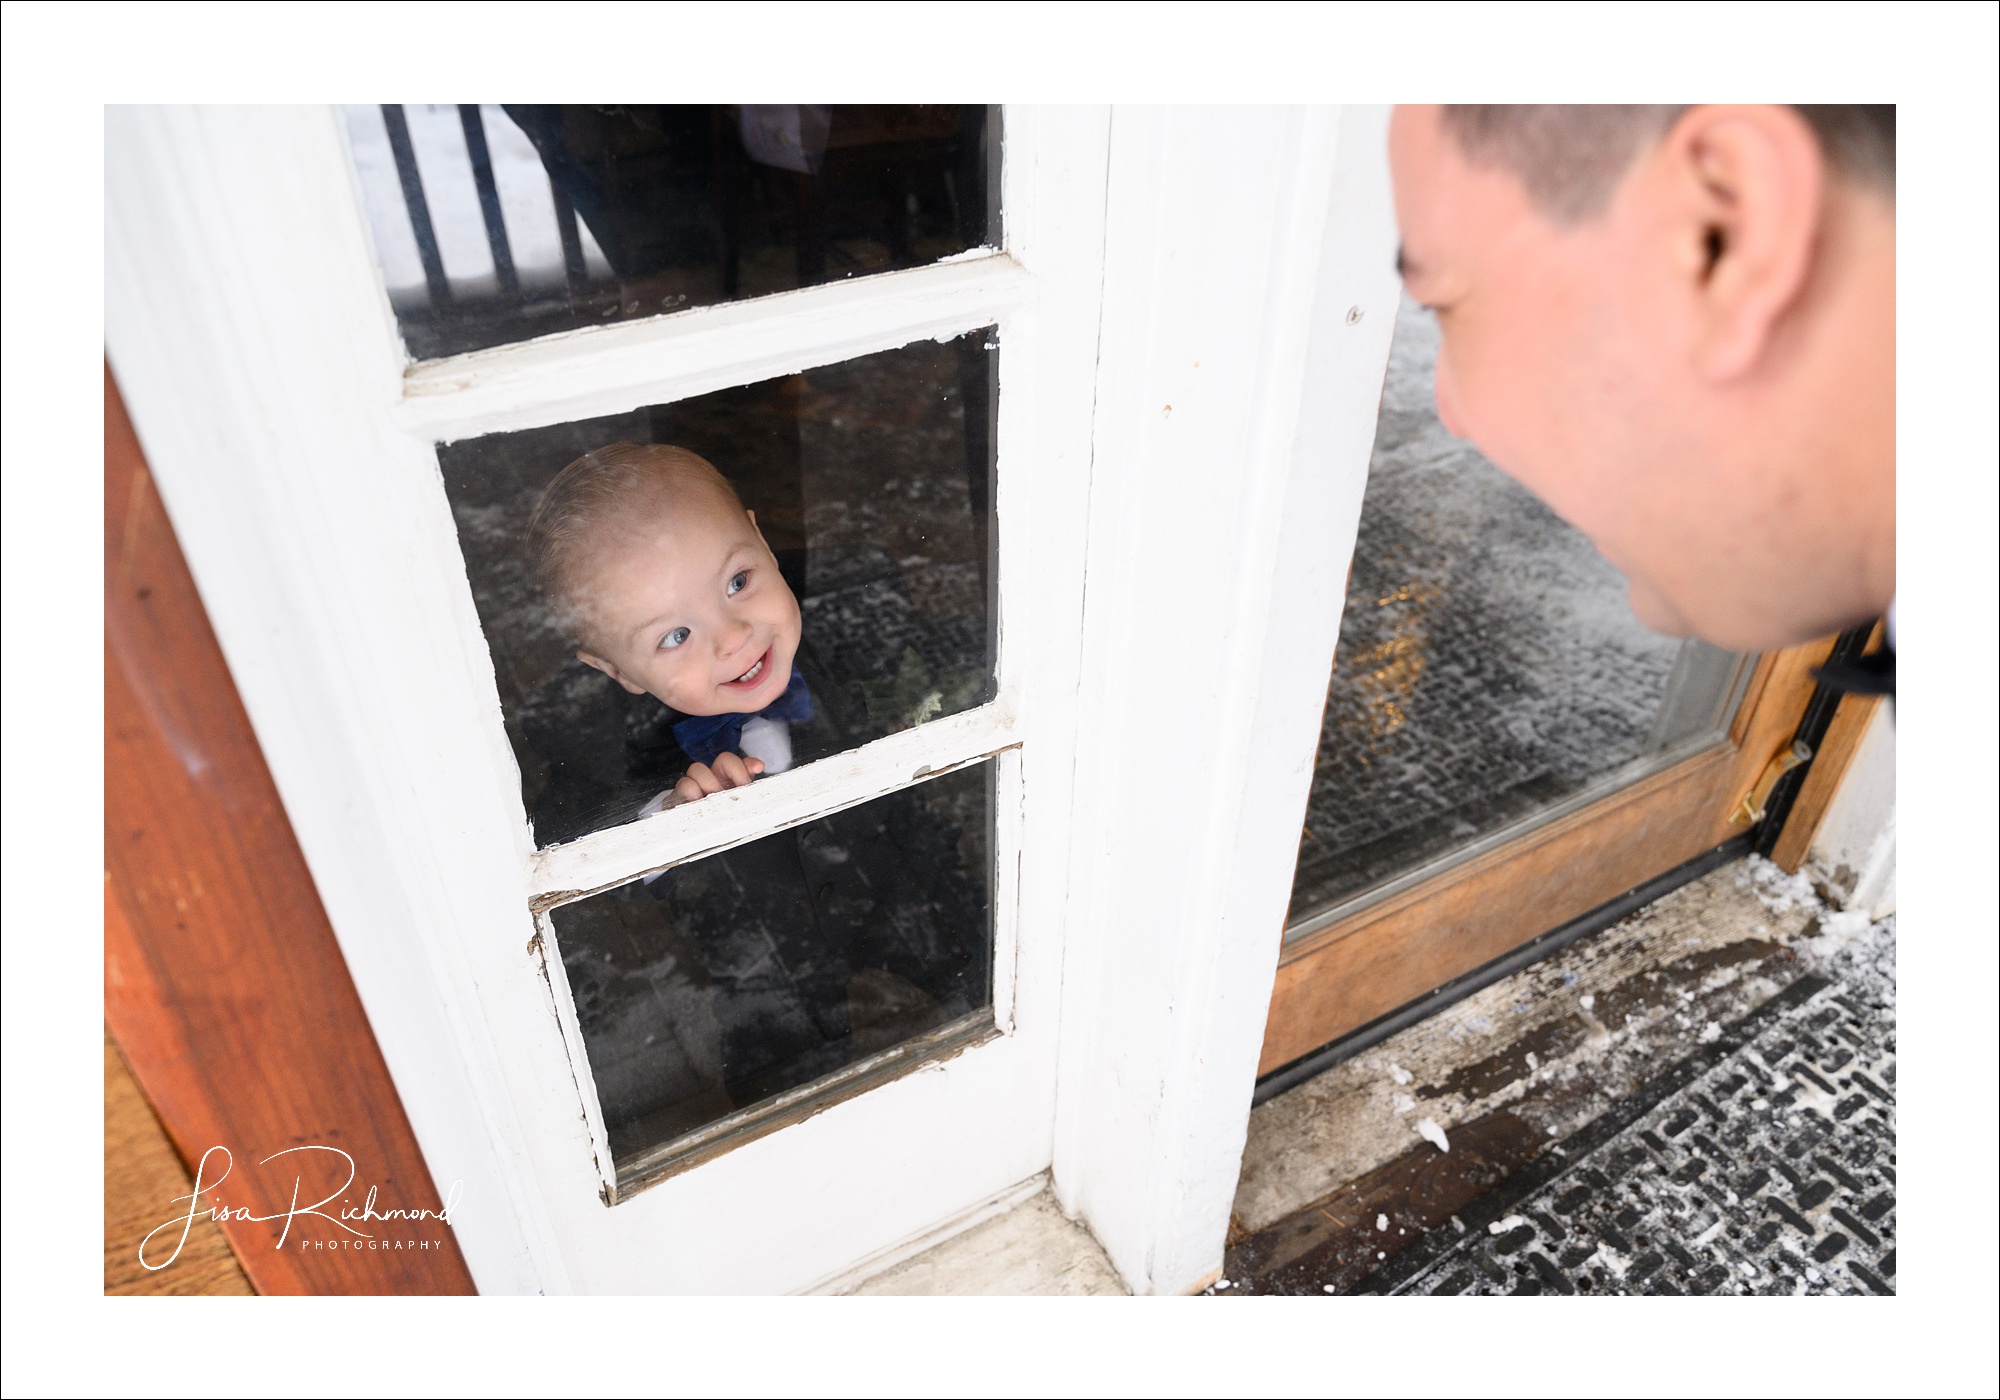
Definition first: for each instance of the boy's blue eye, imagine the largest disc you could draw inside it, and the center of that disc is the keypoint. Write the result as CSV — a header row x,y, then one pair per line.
x,y
674,638
738,582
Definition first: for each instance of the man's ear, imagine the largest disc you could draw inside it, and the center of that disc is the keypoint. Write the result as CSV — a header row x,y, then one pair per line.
x,y
1752,179
610,670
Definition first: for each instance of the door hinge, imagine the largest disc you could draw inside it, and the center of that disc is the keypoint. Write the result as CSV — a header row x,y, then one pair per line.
x,y
1750,809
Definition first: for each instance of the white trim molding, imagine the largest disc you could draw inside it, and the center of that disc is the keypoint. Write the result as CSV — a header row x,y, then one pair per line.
x,y
1249,299
601,370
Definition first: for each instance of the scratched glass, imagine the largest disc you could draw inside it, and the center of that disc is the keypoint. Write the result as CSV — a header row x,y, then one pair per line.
x,y
724,982
871,481
494,224
1490,673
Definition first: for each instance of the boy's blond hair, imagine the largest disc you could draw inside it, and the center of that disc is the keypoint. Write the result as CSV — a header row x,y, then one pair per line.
x,y
593,498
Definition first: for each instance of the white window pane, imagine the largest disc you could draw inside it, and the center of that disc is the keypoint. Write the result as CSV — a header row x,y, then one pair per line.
x,y
707,990
870,483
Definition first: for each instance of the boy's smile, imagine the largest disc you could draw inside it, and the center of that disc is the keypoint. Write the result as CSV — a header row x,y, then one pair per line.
x,y
687,605
752,679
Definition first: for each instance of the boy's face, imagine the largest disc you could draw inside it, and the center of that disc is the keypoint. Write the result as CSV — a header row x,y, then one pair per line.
x,y
687,606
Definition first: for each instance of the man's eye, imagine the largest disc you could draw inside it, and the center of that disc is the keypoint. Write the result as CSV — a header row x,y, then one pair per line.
x,y
738,582
673,638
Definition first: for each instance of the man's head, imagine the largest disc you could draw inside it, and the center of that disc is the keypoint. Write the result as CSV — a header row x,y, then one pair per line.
x,y
655,567
1677,326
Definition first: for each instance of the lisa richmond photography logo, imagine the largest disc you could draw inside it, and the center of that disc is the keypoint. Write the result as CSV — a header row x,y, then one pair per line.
x,y
365,1226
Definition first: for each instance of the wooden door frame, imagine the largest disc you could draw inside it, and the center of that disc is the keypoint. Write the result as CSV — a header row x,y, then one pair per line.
x,y
218,952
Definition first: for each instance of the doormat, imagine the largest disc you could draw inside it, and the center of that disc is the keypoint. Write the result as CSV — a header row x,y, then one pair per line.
x,y
1762,1164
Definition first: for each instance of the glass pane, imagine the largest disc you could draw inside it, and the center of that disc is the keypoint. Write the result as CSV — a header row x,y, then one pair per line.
x,y
870,482
720,983
1489,670
494,224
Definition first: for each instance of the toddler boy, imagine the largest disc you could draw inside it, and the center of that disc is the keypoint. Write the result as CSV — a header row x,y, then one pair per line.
x,y
654,566
816,944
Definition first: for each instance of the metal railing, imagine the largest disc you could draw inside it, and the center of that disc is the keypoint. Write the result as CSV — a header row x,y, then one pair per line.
x,y
473,121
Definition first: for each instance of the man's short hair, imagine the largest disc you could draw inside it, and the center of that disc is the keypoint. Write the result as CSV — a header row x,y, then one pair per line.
x,y
1572,157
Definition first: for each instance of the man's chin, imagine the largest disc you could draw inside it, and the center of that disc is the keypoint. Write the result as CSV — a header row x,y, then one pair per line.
x,y
1656,610
1733,622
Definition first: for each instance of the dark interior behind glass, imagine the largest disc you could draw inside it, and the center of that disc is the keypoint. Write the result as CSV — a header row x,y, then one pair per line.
x,y
647,209
712,987
1489,667
872,482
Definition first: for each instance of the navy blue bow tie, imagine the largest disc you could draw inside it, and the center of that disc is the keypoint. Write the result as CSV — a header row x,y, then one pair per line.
x,y
704,738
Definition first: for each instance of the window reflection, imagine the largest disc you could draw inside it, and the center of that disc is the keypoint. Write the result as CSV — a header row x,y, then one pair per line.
x,y
712,987
1489,667
496,224
870,481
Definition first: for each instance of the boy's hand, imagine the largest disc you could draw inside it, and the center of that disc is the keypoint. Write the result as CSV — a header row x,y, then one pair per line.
x,y
730,771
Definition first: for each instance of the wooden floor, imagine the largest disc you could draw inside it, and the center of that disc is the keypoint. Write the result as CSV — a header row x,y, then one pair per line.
x,y
142,1176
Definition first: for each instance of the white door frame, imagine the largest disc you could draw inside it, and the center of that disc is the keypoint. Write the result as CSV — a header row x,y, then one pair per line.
x,y
1250,295
293,451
